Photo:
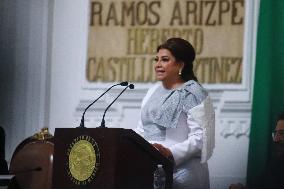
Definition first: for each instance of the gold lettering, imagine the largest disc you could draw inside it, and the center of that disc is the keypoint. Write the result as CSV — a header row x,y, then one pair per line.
x,y
99,71
207,12
201,13
154,13
125,13
191,11
198,40
235,12
238,76
224,7
131,38
112,15
96,10
144,41
124,69
91,69
154,41
209,16
138,69
128,12
218,70
176,15
112,69
141,13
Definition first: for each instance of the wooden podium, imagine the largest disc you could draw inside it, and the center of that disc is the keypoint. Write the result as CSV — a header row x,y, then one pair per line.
x,y
105,158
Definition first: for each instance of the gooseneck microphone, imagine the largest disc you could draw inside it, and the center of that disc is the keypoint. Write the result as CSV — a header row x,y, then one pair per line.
x,y
131,86
82,123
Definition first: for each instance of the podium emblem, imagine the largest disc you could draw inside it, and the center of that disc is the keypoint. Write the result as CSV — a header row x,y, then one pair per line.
x,y
83,160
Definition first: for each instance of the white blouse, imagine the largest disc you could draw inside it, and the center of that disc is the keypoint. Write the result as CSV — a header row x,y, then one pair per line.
x,y
191,143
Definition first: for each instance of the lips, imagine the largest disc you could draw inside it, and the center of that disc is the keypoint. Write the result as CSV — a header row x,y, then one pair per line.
x,y
160,71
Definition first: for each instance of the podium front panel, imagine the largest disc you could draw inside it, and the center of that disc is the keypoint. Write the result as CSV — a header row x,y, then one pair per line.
x,y
103,158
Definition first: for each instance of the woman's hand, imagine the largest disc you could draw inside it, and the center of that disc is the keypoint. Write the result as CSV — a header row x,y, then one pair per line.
x,y
163,150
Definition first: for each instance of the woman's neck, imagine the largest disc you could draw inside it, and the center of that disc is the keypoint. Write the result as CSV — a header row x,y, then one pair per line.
x,y
172,84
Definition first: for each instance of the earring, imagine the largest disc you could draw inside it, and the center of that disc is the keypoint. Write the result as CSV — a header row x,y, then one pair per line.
x,y
179,72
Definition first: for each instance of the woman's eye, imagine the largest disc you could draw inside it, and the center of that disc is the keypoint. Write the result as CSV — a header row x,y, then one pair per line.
x,y
165,59
161,59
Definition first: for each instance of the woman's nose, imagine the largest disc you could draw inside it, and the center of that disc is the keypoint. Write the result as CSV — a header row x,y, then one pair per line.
x,y
158,63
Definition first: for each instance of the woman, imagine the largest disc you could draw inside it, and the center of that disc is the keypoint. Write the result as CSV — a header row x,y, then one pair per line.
x,y
177,115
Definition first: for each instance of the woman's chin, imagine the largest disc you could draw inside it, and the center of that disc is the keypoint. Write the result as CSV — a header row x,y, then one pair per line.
x,y
159,77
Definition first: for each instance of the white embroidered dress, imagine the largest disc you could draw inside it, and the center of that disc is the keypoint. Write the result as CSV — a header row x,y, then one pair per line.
x,y
182,120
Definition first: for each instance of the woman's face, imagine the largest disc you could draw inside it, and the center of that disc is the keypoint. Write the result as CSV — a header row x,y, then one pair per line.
x,y
166,67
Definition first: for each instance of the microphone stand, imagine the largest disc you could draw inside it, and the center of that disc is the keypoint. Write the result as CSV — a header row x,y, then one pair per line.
x,y
131,86
82,123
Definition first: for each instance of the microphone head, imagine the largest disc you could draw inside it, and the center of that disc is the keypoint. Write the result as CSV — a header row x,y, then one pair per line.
x,y
124,83
131,86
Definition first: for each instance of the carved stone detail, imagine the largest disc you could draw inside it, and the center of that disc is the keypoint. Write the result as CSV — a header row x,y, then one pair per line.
x,y
234,127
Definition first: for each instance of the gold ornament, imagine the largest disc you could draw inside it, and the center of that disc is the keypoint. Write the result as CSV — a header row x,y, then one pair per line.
x,y
82,160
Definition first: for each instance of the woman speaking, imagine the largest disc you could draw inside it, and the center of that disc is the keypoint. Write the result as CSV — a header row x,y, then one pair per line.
x,y
177,115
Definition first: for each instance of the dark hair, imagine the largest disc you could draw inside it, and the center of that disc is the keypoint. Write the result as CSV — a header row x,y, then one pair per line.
x,y
280,117
184,52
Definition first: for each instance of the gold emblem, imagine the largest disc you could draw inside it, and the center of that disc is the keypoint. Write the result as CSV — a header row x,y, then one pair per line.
x,y
83,160
43,134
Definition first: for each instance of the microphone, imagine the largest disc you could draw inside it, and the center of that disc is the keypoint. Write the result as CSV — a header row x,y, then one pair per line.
x,y
26,170
131,86
82,124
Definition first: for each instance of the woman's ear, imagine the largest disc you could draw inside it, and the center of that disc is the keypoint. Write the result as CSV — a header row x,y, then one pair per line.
x,y
181,68
182,65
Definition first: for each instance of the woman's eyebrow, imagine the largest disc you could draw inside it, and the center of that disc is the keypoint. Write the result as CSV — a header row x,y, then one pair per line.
x,y
165,56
